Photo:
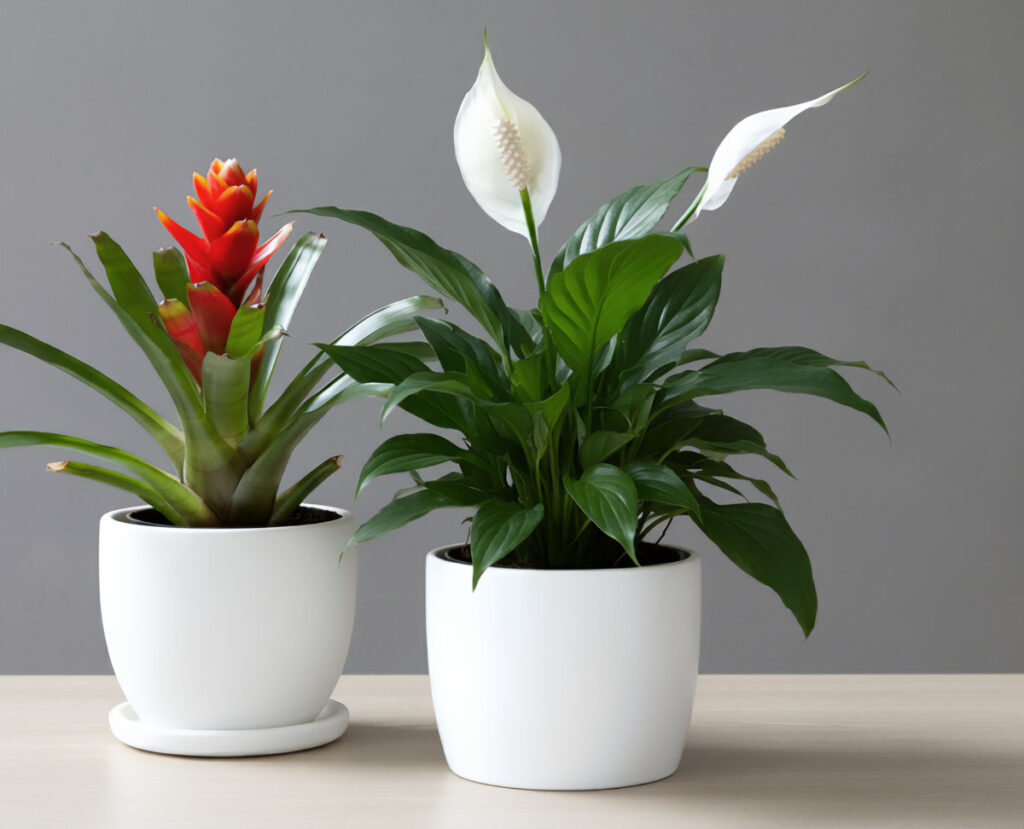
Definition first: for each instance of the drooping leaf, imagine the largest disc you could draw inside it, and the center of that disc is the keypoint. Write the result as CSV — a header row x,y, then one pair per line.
x,y
443,270
407,452
740,372
498,528
608,497
719,436
167,435
183,500
758,539
400,512
629,215
120,481
461,352
434,382
588,303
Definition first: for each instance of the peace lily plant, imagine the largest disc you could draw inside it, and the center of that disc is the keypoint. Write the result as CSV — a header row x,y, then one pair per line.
x,y
583,427
589,422
213,340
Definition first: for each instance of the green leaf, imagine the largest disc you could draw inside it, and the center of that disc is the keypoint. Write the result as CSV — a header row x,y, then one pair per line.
x,y
599,445
181,499
443,270
588,303
226,395
290,500
661,485
805,356
120,481
282,299
757,538
498,528
127,284
461,352
407,452
719,436
678,310
395,318
207,448
400,512
247,329
451,383
608,497
167,435
630,215
699,467
172,274
753,370
376,364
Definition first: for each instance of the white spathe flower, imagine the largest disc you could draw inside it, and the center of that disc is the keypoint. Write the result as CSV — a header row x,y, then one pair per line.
x,y
747,143
503,145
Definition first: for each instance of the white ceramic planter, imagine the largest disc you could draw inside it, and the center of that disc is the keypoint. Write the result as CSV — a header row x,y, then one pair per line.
x,y
227,629
563,679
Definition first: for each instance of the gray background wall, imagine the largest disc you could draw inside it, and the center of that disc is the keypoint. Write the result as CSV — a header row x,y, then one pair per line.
x,y
886,227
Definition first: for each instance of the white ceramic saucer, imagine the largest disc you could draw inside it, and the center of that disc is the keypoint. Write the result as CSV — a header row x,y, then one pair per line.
x,y
329,724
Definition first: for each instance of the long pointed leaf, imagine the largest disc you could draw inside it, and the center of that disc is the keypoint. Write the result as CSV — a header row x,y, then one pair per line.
x,y
629,215
761,543
162,431
290,500
608,497
442,269
121,481
404,453
282,298
181,498
498,528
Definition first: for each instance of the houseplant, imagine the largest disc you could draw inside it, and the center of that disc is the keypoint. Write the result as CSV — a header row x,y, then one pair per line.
x,y
224,605
556,662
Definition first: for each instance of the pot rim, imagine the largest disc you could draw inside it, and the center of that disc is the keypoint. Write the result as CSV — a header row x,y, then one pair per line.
x,y
687,557
123,517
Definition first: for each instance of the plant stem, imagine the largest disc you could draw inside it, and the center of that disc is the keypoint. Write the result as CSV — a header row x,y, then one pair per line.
x,y
531,226
689,210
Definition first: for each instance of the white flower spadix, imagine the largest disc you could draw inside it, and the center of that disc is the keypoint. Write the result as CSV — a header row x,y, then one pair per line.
x,y
503,146
747,143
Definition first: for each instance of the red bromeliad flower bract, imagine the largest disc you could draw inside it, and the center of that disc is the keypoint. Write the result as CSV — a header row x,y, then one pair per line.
x,y
225,264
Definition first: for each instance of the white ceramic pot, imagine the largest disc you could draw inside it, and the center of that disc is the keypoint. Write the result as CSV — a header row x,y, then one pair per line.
x,y
563,679
227,629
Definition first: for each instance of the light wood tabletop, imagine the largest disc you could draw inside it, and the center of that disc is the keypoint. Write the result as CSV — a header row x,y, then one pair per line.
x,y
787,751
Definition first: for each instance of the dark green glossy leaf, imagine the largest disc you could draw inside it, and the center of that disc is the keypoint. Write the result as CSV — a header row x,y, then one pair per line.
x,y
588,303
600,445
629,215
407,452
608,497
757,538
458,351
678,310
498,528
443,270
400,512
661,485
751,370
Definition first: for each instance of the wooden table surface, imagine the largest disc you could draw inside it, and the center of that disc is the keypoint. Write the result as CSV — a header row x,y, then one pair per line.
x,y
786,751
